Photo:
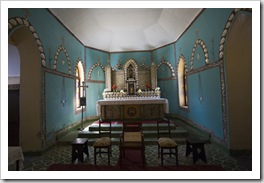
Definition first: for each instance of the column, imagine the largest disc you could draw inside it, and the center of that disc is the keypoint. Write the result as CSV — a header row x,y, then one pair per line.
x,y
153,74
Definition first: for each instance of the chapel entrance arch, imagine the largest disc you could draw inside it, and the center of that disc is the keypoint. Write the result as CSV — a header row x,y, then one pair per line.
x,y
238,60
30,90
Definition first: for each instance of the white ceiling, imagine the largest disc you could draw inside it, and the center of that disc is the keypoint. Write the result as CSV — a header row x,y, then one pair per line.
x,y
124,29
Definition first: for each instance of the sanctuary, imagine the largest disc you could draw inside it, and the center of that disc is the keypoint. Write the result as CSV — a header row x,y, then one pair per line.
x,y
131,93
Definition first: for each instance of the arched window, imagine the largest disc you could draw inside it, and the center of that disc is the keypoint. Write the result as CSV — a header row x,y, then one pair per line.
x,y
77,86
79,73
182,85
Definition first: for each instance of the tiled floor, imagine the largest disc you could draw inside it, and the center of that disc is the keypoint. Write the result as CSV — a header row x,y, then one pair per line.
x,y
62,154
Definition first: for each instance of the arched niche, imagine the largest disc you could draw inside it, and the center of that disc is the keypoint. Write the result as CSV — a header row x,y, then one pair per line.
x,y
131,76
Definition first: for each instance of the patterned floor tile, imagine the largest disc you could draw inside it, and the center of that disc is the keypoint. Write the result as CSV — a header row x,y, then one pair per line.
x,y
62,154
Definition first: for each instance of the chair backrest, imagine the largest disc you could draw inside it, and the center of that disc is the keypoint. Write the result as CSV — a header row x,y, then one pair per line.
x,y
163,128
105,128
132,131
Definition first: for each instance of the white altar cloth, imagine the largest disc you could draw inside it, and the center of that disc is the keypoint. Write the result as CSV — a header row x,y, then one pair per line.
x,y
130,101
15,154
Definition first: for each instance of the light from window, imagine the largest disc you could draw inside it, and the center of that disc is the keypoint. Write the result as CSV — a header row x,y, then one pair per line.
x,y
79,80
182,86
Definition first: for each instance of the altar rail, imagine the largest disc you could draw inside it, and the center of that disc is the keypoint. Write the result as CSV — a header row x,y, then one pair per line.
x,y
136,108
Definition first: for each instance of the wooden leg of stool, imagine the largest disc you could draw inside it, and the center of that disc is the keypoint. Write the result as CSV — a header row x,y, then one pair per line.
x,y
80,154
85,149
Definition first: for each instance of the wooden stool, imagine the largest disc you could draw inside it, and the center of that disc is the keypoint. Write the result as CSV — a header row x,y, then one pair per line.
x,y
195,145
79,146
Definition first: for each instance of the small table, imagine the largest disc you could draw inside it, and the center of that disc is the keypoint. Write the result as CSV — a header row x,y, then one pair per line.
x,y
79,146
196,146
15,155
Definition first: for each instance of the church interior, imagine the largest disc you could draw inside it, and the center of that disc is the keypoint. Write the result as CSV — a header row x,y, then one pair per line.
x,y
72,70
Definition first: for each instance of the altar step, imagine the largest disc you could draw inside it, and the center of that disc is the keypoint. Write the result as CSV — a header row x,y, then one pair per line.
x,y
149,130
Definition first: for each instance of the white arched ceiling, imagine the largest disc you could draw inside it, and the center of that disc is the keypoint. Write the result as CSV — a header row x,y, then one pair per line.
x,y
122,29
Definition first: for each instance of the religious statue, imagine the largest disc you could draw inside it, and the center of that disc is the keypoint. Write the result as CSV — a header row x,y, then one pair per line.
x,y
130,72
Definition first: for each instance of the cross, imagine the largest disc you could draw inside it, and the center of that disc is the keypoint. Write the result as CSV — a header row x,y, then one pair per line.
x,y
84,88
27,13
62,40
197,33
143,60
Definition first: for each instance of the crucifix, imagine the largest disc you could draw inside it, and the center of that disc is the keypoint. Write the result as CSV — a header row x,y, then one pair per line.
x,y
83,99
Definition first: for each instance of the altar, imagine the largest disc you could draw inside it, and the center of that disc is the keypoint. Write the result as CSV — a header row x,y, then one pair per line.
x,y
132,108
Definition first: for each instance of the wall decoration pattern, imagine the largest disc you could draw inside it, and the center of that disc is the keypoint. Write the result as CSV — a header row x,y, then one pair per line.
x,y
62,48
170,67
203,45
19,21
92,68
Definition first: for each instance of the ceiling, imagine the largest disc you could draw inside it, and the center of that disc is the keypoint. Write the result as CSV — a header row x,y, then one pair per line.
x,y
122,29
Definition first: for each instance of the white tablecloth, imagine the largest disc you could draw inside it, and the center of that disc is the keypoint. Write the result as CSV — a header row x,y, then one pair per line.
x,y
15,153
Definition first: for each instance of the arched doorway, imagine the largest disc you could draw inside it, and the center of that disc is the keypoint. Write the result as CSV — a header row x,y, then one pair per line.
x,y
238,60
30,90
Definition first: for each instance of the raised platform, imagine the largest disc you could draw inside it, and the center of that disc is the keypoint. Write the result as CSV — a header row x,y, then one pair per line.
x,y
149,130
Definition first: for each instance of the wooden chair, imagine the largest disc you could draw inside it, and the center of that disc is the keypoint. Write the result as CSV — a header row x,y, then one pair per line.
x,y
166,145
132,138
103,145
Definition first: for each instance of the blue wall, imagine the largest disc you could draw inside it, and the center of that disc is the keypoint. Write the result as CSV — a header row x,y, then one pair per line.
x,y
50,33
95,90
168,88
137,56
208,27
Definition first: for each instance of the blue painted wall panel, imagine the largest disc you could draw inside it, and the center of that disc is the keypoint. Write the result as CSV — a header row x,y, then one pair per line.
x,y
139,57
59,116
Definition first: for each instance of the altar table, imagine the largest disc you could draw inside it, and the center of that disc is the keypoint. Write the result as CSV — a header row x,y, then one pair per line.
x,y
136,108
15,155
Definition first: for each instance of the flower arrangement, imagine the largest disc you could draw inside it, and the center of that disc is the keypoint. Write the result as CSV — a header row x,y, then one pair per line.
x,y
114,87
157,89
148,86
